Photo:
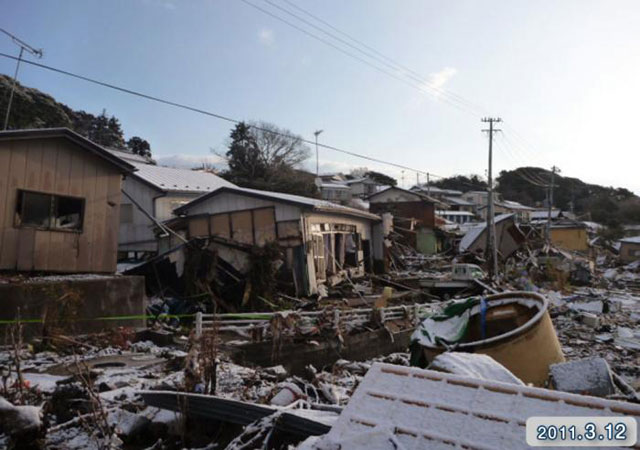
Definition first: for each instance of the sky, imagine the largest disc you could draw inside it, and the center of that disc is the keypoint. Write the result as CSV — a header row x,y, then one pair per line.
x,y
563,76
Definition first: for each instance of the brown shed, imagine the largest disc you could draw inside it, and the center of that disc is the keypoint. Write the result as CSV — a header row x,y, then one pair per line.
x,y
59,202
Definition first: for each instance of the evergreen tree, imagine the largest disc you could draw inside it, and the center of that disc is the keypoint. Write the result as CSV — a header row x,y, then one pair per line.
x,y
139,146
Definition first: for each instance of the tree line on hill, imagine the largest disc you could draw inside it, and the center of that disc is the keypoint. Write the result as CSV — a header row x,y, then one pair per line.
x,y
606,205
32,108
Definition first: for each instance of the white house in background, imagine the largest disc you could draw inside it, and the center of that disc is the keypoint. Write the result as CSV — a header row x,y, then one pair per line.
x,y
335,191
459,217
362,187
155,191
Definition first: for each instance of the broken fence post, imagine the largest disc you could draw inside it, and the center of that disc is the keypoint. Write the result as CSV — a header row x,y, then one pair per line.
x,y
198,324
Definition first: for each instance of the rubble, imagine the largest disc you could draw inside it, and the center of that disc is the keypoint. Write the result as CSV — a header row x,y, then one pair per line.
x,y
306,356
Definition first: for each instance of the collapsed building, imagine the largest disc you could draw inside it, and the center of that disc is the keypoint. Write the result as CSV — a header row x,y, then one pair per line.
x,y
322,242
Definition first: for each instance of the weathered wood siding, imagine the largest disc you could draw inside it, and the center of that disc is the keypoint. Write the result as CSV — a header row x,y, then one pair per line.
x,y
228,202
57,166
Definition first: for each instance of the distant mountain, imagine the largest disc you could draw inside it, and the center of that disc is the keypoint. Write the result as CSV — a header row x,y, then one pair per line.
x,y
32,108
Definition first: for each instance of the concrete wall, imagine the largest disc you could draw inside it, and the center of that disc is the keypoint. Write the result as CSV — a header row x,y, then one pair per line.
x,y
86,299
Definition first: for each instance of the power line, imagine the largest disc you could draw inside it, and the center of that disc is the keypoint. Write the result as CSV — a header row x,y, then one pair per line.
x,y
419,87
531,173
373,54
215,115
520,171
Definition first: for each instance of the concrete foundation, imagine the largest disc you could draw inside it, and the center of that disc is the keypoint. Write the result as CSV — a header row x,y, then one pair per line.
x,y
73,304
296,356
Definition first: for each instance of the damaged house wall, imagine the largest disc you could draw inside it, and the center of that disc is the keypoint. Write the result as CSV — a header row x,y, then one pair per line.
x,y
414,215
158,191
59,202
319,245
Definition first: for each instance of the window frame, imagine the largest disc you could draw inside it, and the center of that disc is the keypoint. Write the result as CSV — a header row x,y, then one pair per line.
x,y
53,202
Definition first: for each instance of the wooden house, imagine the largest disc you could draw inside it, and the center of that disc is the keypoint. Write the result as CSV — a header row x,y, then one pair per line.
x,y
322,241
59,202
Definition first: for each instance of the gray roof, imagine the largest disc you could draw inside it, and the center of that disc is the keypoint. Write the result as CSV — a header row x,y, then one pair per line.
x,y
555,213
418,194
454,200
70,135
436,190
169,179
313,203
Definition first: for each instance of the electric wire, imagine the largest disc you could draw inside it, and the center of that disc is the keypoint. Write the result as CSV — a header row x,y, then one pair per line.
x,y
217,116
417,86
377,56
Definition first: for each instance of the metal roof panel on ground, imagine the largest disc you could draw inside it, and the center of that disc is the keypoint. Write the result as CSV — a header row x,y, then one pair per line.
x,y
313,203
411,408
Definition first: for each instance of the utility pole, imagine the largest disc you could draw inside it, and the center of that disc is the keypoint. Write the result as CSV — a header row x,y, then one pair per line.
x,y
402,185
554,169
428,185
491,250
316,133
23,46
418,180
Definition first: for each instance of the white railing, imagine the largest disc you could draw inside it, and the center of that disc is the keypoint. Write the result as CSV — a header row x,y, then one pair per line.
x,y
238,322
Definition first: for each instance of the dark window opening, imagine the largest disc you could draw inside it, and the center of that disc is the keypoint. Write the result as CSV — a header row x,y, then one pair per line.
x,y
34,209
47,211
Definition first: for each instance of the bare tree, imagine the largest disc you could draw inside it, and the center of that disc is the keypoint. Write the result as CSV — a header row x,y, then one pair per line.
x,y
278,147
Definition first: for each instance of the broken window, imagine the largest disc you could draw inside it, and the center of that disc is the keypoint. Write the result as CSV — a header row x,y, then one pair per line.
x,y
47,211
318,256
352,245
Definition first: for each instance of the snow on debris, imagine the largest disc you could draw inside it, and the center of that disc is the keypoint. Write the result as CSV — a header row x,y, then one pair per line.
x,y
420,408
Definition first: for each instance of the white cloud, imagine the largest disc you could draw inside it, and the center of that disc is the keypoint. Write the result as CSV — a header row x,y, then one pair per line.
x,y
266,37
183,161
438,80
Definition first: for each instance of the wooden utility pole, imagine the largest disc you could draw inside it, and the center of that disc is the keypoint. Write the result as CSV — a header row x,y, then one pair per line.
x,y
23,46
554,169
491,250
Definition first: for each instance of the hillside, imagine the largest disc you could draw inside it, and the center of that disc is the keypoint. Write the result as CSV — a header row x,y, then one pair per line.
x,y
32,108
607,205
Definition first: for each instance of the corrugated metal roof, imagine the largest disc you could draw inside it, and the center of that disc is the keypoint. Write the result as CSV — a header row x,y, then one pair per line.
x,y
178,180
314,203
